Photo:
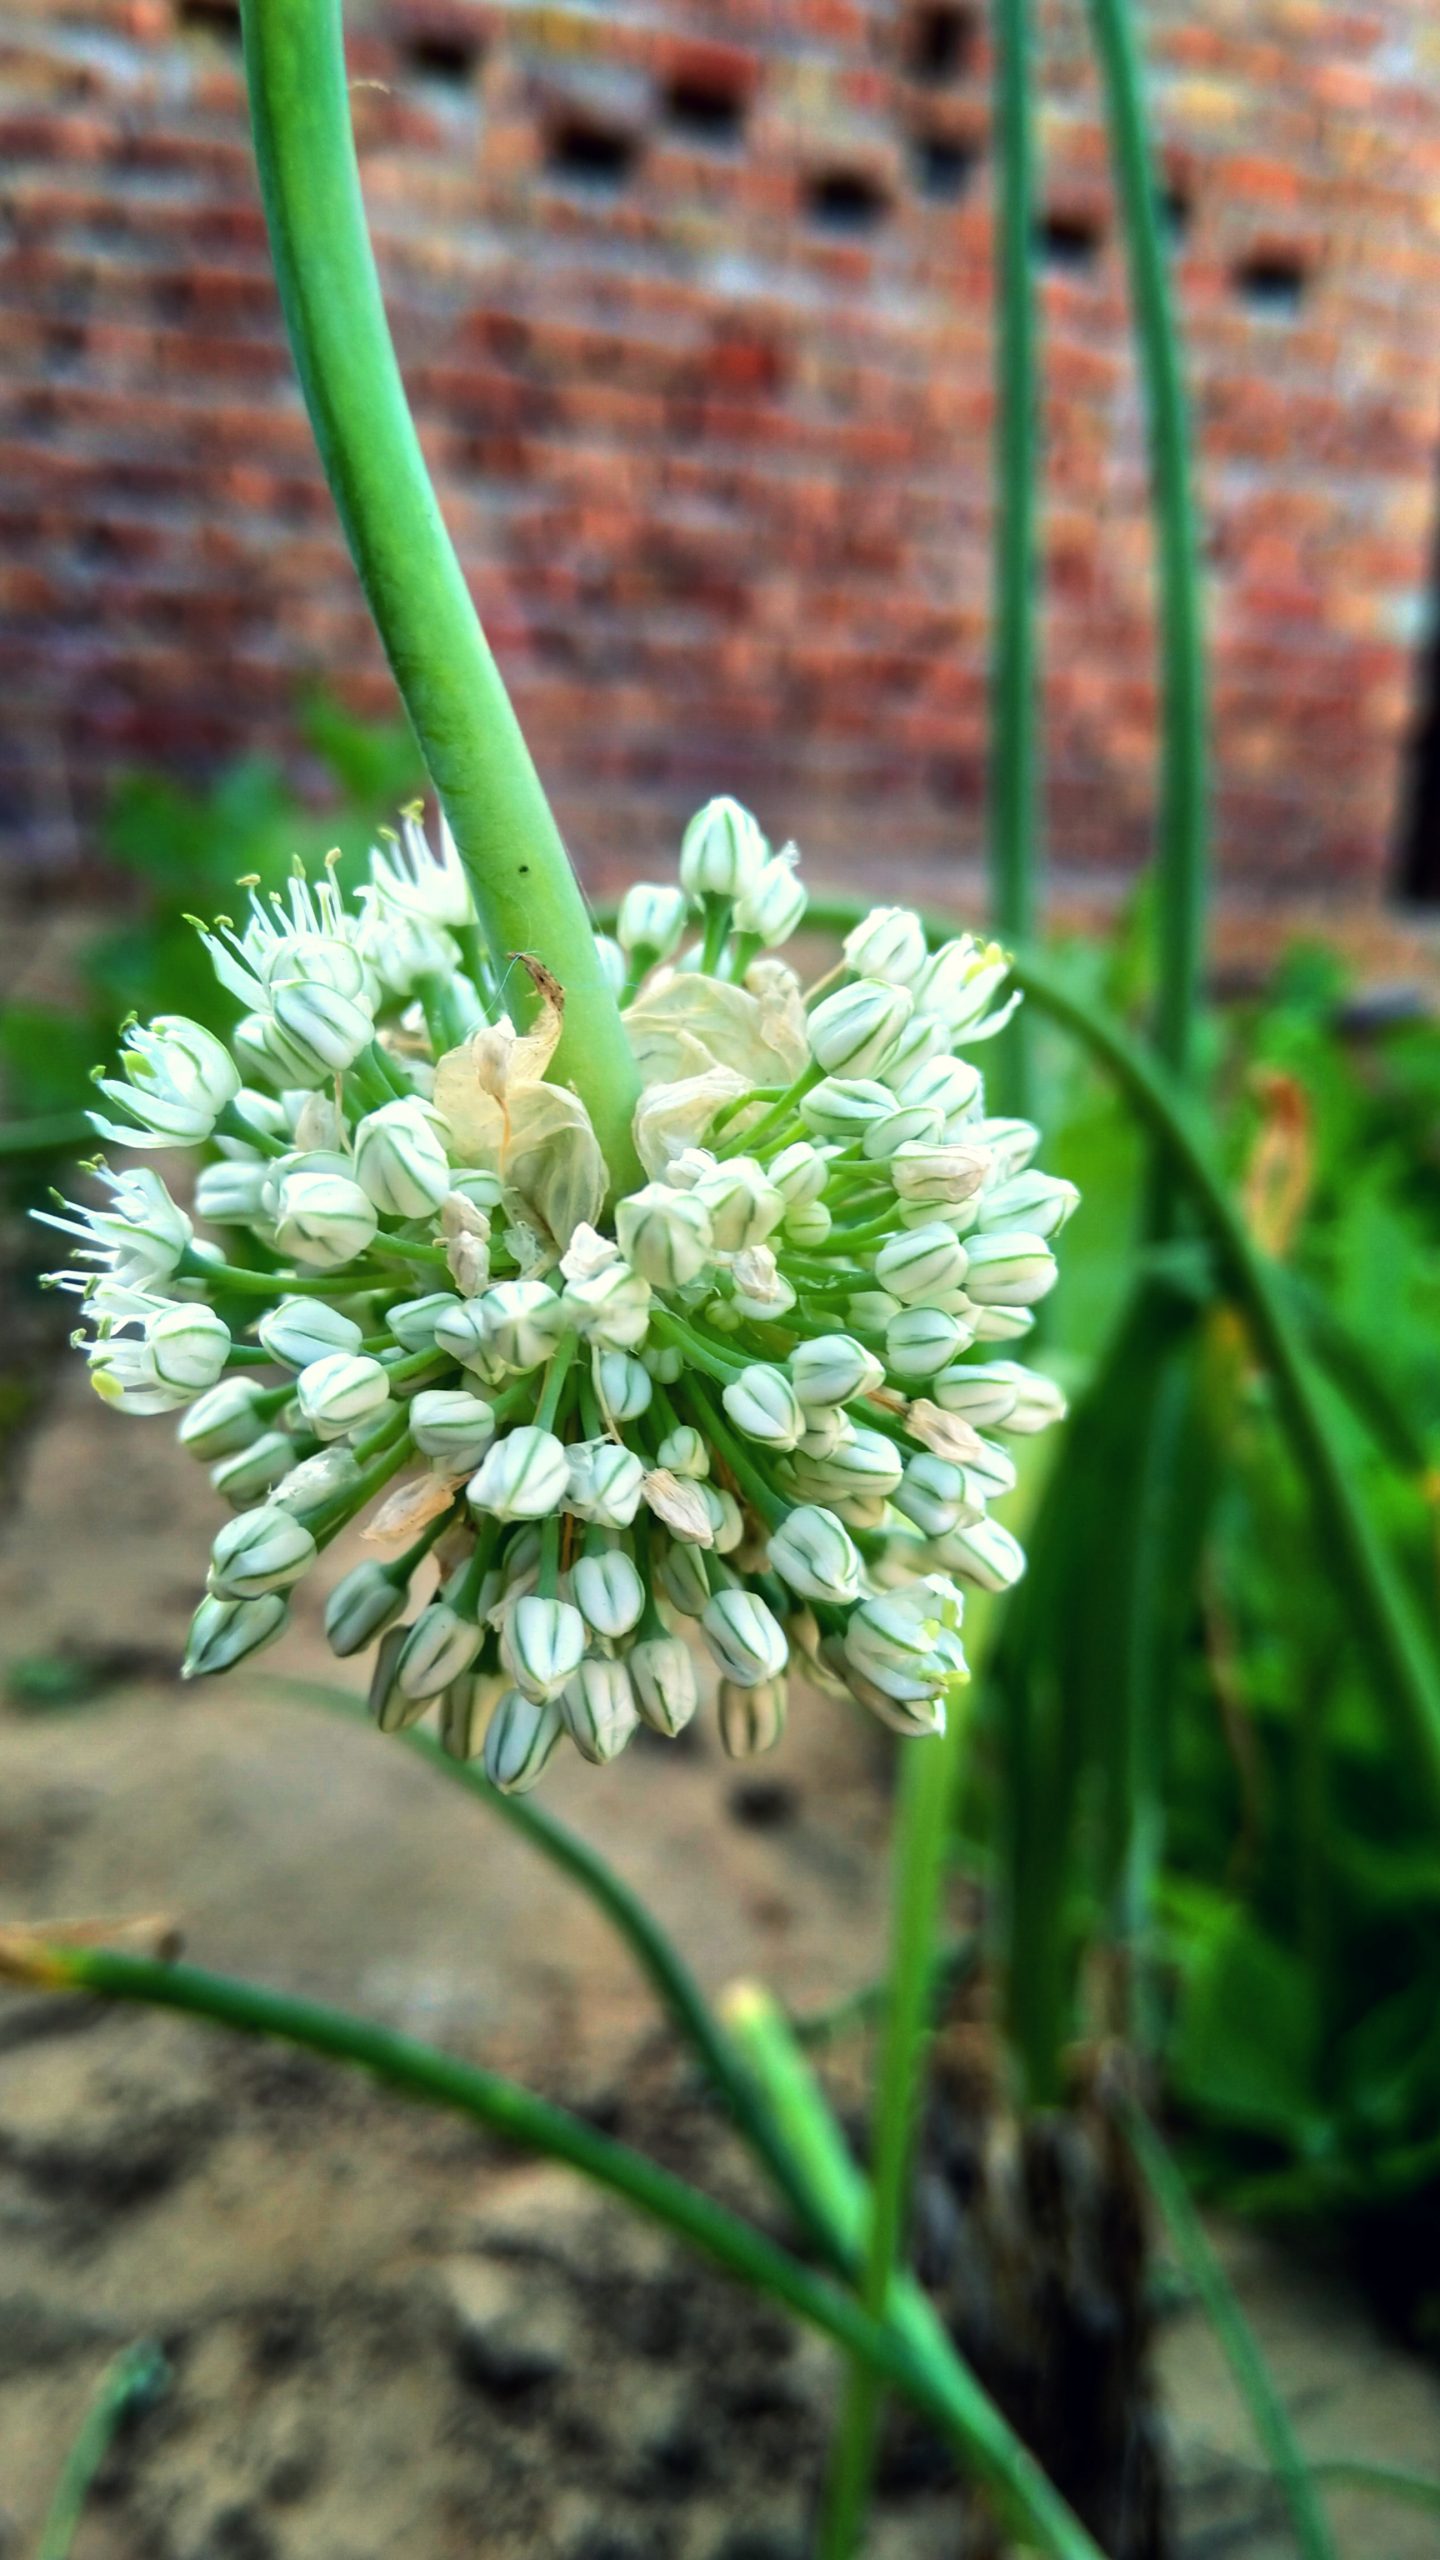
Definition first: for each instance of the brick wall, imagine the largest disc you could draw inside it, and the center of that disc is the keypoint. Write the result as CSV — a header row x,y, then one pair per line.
x,y
693,301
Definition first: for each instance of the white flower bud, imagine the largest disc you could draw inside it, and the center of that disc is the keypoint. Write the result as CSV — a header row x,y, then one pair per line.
x,y
342,1392
984,1552
865,1467
722,852
437,1649
919,1715
870,1310
923,1171
391,1706
909,1124
322,1029
922,1340
414,1321
683,1452
612,962
663,1362
921,1040
682,1577
253,1470
462,1327
1009,1270
400,1159
662,1673
318,1483
762,1293
623,1385
678,1501
751,1719
743,1204
809,1225
922,1266
465,1712
828,1427
1002,1324
178,1080
605,1483
519,1739
842,1108
979,1392
541,1643
762,1403
727,1520
1010,1144
188,1345
774,903
889,943
450,1424
932,1494
747,1641
322,1218
950,1085
367,1601
651,922
812,1551
234,1192
1038,1202
523,1476
665,1234
264,1550
958,984
477,1188
609,1593
833,1370
612,1308
300,1330
523,1322
913,1632
223,1632
1038,1401
598,1707
799,1174
222,1420
852,1032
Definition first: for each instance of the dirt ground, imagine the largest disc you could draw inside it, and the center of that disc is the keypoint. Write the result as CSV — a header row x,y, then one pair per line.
x,y
386,2337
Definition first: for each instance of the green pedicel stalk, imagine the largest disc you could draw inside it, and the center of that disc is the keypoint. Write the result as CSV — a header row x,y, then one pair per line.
x,y
135,2377
928,1776
524,888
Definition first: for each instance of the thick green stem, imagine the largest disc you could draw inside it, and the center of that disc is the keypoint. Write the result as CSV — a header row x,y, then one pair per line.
x,y
928,1774
1182,864
941,2390
526,893
1015,739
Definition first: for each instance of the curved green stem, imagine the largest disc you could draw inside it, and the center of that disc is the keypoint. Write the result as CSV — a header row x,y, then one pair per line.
x,y
1015,765
945,2393
1182,860
526,893
928,1775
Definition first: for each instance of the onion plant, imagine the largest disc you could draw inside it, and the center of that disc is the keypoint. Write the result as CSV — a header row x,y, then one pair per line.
x,y
615,1280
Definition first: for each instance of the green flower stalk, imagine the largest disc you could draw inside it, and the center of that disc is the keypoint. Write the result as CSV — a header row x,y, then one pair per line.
x,y
758,1390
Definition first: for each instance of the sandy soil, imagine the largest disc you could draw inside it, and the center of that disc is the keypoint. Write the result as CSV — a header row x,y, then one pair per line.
x,y
384,2336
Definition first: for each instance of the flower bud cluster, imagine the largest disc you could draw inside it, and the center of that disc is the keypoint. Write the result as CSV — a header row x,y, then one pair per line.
x,y
759,1393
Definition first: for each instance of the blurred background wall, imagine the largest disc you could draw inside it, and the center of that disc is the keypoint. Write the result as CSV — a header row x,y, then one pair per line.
x,y
694,306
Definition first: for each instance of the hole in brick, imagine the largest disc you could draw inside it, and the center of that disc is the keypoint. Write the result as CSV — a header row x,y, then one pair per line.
x,y
1070,241
845,200
711,110
445,55
1176,211
943,167
592,153
1272,282
210,18
939,44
